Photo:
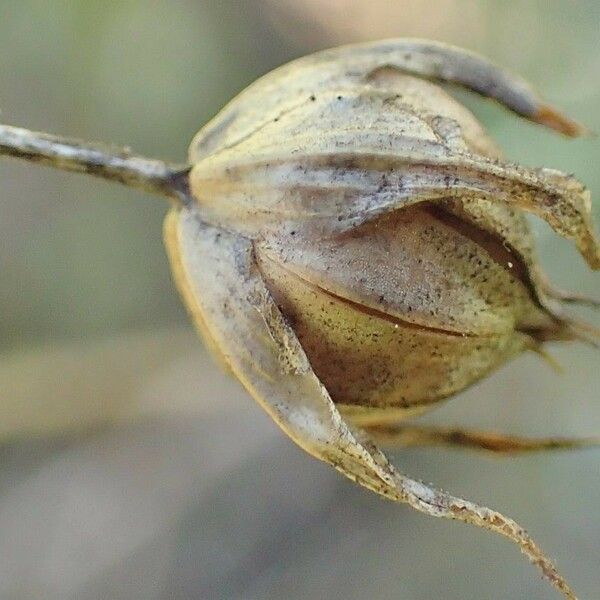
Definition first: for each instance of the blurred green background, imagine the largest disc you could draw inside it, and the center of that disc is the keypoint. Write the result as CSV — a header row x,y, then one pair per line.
x,y
168,482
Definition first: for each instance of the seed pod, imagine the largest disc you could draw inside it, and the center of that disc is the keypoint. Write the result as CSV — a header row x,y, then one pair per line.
x,y
356,246
353,248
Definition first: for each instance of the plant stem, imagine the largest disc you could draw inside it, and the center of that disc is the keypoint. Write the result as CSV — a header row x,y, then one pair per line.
x,y
115,164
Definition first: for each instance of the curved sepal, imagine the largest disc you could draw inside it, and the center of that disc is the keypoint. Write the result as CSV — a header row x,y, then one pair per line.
x,y
346,65
334,168
223,290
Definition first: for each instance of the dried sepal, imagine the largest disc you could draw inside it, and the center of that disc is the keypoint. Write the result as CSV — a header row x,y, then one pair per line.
x,y
350,66
402,435
340,158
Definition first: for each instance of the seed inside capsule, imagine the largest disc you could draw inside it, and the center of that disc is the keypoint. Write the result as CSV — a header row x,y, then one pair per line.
x,y
404,310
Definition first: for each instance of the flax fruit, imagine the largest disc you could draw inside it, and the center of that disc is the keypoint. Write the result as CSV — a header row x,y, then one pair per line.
x,y
353,247
356,250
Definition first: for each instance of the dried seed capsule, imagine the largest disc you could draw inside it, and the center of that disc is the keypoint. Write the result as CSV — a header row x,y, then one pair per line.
x,y
383,227
349,242
357,245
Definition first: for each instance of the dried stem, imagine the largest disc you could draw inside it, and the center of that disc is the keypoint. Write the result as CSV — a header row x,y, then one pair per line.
x,y
115,164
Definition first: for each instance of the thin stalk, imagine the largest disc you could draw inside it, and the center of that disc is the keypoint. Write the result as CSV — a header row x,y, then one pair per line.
x,y
112,163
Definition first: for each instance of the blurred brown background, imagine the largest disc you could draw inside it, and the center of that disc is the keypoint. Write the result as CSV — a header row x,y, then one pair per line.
x,y
130,467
